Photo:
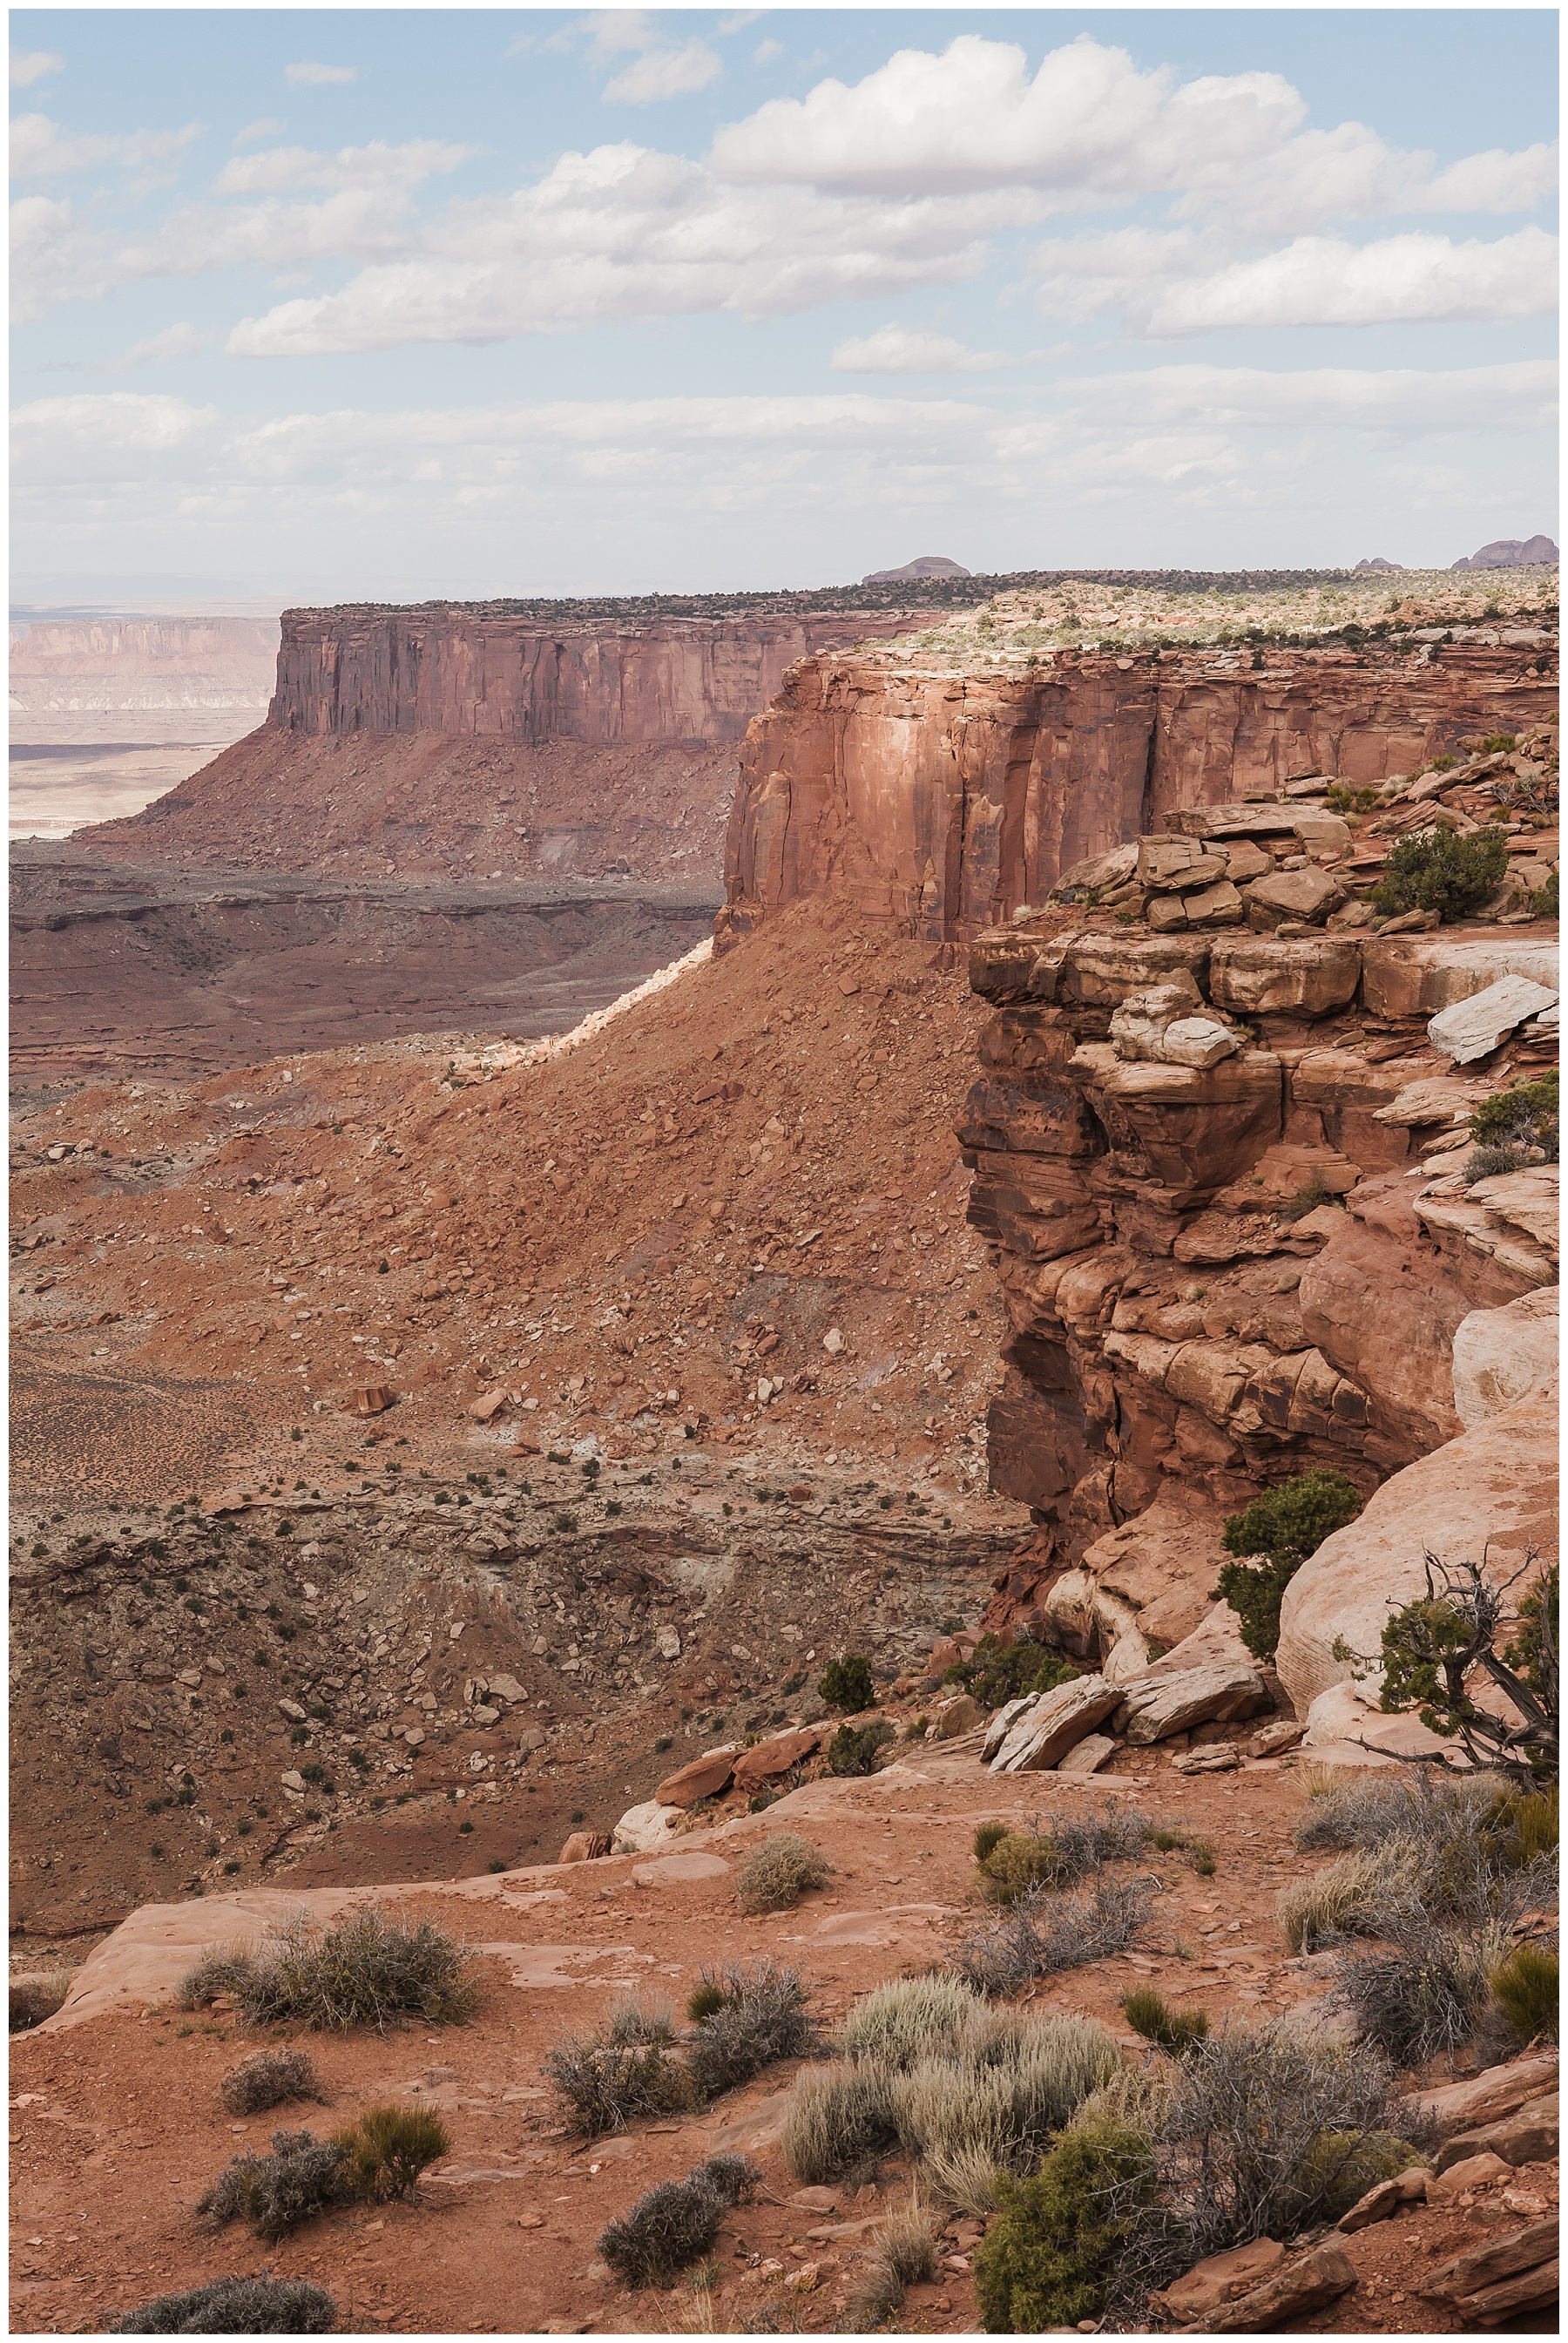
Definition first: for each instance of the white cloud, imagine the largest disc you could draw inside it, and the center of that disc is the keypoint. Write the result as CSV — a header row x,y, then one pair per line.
x,y
1518,397
766,52
174,343
1092,126
52,259
1168,283
28,66
267,127
40,149
108,435
285,169
307,75
661,73
905,350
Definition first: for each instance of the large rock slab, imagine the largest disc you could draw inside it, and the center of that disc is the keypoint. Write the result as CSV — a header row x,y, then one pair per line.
x,y
1155,1572
705,1778
1503,1355
1307,2284
1175,864
1198,1127
1155,1706
1308,976
1528,2136
1486,2098
1309,895
770,1758
1052,1723
1416,976
647,1829
1488,1495
1102,971
1474,1028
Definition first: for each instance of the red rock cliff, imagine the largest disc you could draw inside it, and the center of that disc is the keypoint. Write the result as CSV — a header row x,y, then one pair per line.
x,y
466,671
945,800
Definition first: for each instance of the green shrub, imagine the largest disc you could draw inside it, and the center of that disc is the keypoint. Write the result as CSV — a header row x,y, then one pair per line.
x,y
854,1749
1019,1863
235,2306
839,2117
1441,1651
1284,1527
390,2147
1150,2014
1524,1986
777,1872
997,1671
709,1994
987,1836
847,1683
1508,1129
1044,2262
676,2221
266,2078
1438,871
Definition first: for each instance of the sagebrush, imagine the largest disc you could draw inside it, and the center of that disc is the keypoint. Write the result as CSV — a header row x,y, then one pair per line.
x,y
674,2223
367,1970
266,2078
777,1872
761,2018
235,2306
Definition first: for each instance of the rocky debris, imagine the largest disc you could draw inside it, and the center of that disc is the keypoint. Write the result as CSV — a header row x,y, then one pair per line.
x,y
1308,2283
1501,2280
1154,1707
1220,2279
1047,1725
1224,1758
1527,2136
1274,1740
1474,1028
1385,2198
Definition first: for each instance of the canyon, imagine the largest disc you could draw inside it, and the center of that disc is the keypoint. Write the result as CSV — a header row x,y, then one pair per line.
x,y
1049,1156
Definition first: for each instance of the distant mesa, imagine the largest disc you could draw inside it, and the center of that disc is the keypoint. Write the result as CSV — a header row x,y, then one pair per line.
x,y
929,565
1510,553
1378,563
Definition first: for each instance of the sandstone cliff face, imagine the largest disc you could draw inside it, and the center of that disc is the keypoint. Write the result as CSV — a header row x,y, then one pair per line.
x,y
462,672
945,800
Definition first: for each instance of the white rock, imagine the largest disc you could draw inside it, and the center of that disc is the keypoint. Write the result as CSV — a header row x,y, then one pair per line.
x,y
647,1829
1503,1355
669,1644
1052,1723
1158,1705
833,1342
1474,1028
506,1688
1198,1042
1002,1724
1088,1757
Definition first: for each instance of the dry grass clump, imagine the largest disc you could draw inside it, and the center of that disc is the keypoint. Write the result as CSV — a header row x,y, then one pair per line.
x,y
1041,1935
676,2221
1525,1986
1358,1895
908,2018
777,1872
760,2017
235,2306
266,2078
903,2254
1420,1994
840,2119
367,1970
1150,2014
993,2101
35,1998
634,2019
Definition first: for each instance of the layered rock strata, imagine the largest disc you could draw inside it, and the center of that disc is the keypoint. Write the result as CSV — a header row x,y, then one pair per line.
x,y
946,800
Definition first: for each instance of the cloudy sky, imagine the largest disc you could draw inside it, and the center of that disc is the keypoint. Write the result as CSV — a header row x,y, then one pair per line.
x,y
394,304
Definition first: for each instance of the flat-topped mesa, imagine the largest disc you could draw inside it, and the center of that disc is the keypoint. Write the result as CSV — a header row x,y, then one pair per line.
x,y
476,672
943,800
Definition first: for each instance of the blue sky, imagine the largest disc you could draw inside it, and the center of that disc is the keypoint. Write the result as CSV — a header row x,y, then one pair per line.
x,y
396,304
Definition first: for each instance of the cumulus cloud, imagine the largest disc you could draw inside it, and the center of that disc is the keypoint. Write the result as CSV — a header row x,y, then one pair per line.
x,y
282,170
28,66
1091,126
309,74
906,349
267,127
1171,283
40,149
176,342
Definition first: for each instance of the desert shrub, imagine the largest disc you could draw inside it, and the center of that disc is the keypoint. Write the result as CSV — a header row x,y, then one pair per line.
x,y
1044,2261
266,2078
762,2017
1284,1528
839,2117
1020,1863
367,1970
390,2148
35,1998
708,1994
777,1872
601,2086
993,2101
632,2019
986,1838
303,2176
1438,871
854,1749
675,2222
1037,1939
1525,1986
235,2306
1417,1995
1513,1122
995,1672
846,1683
1150,2014
1358,1895
908,2018
1198,1850
1524,1825
1109,1834
1441,1651
903,2254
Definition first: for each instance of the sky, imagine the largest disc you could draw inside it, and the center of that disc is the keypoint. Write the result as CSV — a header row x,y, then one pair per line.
x,y
389,304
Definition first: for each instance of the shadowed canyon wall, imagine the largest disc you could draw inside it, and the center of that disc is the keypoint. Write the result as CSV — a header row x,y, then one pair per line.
x,y
946,800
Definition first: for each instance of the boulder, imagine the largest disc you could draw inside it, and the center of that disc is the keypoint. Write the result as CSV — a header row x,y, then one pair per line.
x,y
1090,1755
1139,1023
487,1406
1155,1706
1416,976
1200,1042
1049,1723
951,1717
1274,1739
676,1870
1528,2136
1483,2098
1098,871
1385,2198
1214,906
1478,2171
1100,971
1502,2280
585,1846
1488,1495
1306,895
505,1688
1503,1355
1220,1757
647,1829
775,1756
1214,1642
704,1777
1219,2280
1175,864
1303,976
1308,2283
1474,1028
1155,1572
